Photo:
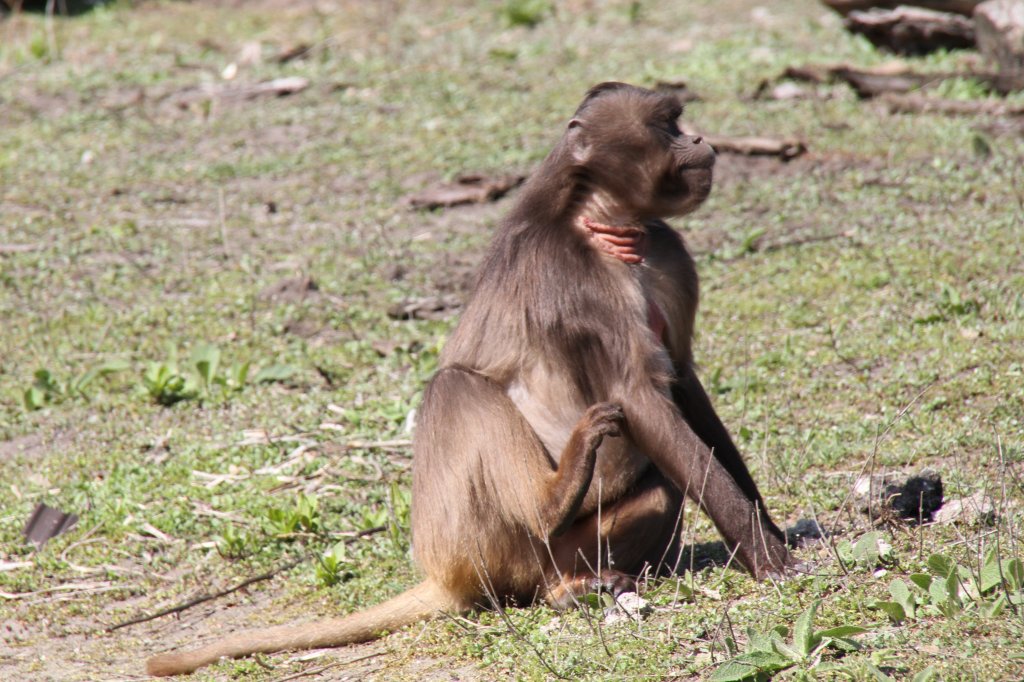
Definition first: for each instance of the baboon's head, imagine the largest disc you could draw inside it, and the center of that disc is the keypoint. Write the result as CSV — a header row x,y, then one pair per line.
x,y
626,142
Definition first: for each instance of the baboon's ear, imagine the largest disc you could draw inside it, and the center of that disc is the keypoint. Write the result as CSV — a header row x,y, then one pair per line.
x,y
576,138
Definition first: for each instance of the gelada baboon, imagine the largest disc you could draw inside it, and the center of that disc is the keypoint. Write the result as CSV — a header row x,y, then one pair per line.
x,y
557,440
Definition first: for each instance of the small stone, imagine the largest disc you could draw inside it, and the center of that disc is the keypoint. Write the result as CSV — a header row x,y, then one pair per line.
x,y
804,533
787,90
629,606
967,510
913,499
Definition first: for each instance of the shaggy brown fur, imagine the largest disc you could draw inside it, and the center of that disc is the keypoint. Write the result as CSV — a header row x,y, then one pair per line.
x,y
558,439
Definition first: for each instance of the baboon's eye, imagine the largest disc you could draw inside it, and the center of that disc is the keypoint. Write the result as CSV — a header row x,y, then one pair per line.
x,y
670,124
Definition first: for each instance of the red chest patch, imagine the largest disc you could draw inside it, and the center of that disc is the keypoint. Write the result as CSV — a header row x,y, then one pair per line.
x,y
656,320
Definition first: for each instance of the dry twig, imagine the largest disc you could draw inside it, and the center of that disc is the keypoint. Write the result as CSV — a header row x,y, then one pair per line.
x,y
222,593
335,664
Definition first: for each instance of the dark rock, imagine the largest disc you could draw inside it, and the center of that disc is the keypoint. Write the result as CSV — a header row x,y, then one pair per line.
x,y
913,499
803,533
917,499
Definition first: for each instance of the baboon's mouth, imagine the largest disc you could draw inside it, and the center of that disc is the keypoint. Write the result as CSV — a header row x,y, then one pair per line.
x,y
697,181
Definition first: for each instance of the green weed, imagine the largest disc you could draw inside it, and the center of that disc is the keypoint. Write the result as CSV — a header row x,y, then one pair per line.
x,y
203,376
47,388
303,517
869,551
527,13
330,568
767,653
235,544
949,588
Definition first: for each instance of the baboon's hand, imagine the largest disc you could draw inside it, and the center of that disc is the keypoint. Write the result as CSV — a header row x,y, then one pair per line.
x,y
605,419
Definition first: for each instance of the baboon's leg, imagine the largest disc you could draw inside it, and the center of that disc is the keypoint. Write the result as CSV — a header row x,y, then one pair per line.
x,y
599,551
565,593
487,494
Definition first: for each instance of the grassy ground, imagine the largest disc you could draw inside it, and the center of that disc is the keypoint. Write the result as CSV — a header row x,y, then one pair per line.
x,y
863,310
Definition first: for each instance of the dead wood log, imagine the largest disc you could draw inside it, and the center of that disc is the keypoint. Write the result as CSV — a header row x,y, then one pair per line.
x,y
869,84
471,188
826,73
964,7
911,30
811,73
896,78
999,27
785,149
919,104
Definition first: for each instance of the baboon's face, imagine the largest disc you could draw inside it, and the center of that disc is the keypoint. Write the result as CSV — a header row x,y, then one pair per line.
x,y
629,143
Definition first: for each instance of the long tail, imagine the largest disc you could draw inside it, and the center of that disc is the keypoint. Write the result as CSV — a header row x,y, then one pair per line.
x,y
419,603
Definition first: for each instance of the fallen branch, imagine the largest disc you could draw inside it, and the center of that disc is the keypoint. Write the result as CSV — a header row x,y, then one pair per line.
x,y
964,7
208,597
245,583
299,51
785,149
896,78
872,84
910,30
918,104
868,84
467,189
278,87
